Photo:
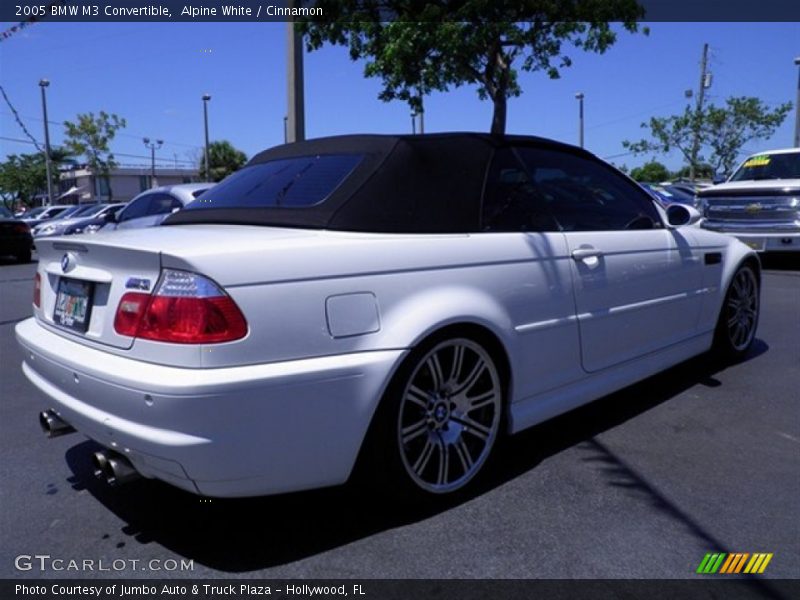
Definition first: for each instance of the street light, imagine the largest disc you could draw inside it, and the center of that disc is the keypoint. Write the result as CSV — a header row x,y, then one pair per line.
x,y
153,147
579,97
797,107
206,98
43,83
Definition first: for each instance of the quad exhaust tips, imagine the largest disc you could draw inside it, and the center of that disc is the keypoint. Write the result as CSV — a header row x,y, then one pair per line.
x,y
113,468
53,425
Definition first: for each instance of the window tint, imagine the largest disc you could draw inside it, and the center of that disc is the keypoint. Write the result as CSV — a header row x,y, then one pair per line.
x,y
510,201
163,204
291,182
585,195
137,208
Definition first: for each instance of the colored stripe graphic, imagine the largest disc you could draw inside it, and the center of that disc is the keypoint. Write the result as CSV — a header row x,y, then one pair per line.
x,y
729,564
711,562
758,563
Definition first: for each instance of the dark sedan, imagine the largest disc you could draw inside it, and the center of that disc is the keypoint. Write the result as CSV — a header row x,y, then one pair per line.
x,y
15,237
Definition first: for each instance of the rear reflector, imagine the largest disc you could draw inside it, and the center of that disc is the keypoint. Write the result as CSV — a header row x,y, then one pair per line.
x,y
37,291
186,308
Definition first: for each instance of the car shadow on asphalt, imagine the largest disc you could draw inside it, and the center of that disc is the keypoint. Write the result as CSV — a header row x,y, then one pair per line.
x,y
242,535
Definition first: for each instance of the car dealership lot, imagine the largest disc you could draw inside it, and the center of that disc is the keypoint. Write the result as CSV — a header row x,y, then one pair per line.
x,y
640,484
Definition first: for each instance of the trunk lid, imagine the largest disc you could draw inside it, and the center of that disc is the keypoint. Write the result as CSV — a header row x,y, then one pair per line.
x,y
84,277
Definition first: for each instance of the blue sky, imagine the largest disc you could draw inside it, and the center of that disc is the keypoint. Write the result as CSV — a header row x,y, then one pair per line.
x,y
154,75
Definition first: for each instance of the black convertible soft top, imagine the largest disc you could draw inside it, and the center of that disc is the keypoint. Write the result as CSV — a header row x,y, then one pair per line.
x,y
429,183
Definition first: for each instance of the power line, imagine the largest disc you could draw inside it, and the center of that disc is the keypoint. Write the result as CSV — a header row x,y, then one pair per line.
x,y
119,133
19,120
173,160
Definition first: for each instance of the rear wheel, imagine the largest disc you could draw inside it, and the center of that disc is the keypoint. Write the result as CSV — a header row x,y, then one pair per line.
x,y
441,416
738,319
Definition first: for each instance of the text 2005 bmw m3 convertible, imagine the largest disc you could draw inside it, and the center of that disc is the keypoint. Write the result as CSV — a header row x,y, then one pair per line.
x,y
407,299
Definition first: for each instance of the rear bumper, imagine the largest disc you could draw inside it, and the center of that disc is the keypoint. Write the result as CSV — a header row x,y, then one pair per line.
x,y
239,431
787,240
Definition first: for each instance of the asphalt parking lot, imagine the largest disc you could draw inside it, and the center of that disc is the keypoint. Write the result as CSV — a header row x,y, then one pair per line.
x,y
642,483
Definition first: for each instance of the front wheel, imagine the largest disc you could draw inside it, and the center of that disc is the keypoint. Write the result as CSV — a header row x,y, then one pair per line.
x,y
738,319
442,416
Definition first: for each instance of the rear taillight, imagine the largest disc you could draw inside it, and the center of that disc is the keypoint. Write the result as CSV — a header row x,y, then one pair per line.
x,y
37,291
185,308
21,228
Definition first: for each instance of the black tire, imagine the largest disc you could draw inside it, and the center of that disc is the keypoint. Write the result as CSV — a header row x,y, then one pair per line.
x,y
738,316
438,421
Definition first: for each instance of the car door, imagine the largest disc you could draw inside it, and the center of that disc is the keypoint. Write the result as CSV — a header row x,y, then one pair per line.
x,y
637,284
537,292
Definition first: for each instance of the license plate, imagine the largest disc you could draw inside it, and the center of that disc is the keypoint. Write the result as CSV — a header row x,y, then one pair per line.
x,y
755,244
73,304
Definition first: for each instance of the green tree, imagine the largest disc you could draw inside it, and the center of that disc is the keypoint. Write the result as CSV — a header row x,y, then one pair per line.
x,y
652,171
743,119
441,44
703,170
22,177
89,136
224,159
723,131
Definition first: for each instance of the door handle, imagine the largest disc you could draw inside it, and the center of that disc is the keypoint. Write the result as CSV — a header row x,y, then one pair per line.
x,y
584,253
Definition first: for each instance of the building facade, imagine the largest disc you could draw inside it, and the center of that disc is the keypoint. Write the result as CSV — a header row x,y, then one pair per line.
x,y
80,184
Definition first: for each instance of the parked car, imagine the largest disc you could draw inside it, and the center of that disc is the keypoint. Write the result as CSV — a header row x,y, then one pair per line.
x,y
15,237
150,208
400,300
60,224
48,212
760,202
96,222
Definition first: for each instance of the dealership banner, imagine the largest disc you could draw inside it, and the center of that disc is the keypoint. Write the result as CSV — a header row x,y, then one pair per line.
x,y
19,11
416,589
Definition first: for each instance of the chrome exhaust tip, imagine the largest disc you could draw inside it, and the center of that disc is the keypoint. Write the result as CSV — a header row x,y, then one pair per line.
x,y
53,425
113,468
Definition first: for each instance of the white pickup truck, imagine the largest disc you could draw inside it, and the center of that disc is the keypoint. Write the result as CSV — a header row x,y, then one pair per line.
x,y
759,203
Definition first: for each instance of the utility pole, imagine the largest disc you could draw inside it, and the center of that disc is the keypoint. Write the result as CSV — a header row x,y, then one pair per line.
x,y
701,93
580,97
295,117
43,83
153,147
797,107
206,156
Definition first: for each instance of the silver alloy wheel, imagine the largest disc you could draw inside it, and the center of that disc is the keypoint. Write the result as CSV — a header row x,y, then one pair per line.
x,y
449,415
741,309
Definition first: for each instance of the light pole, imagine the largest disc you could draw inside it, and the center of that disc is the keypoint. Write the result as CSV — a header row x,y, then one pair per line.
x,y
43,83
153,147
797,107
579,97
414,122
206,98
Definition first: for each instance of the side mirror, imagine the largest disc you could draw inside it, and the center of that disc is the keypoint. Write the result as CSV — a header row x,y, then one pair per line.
x,y
680,215
110,217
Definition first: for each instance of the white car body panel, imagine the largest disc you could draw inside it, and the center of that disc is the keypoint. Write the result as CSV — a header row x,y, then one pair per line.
x,y
287,407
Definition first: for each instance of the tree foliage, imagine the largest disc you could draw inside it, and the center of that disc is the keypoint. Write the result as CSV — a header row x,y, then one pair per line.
x,y
224,159
90,136
416,47
22,177
722,131
652,171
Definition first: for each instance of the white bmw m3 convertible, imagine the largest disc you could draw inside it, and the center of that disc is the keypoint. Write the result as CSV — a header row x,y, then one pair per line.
x,y
407,299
